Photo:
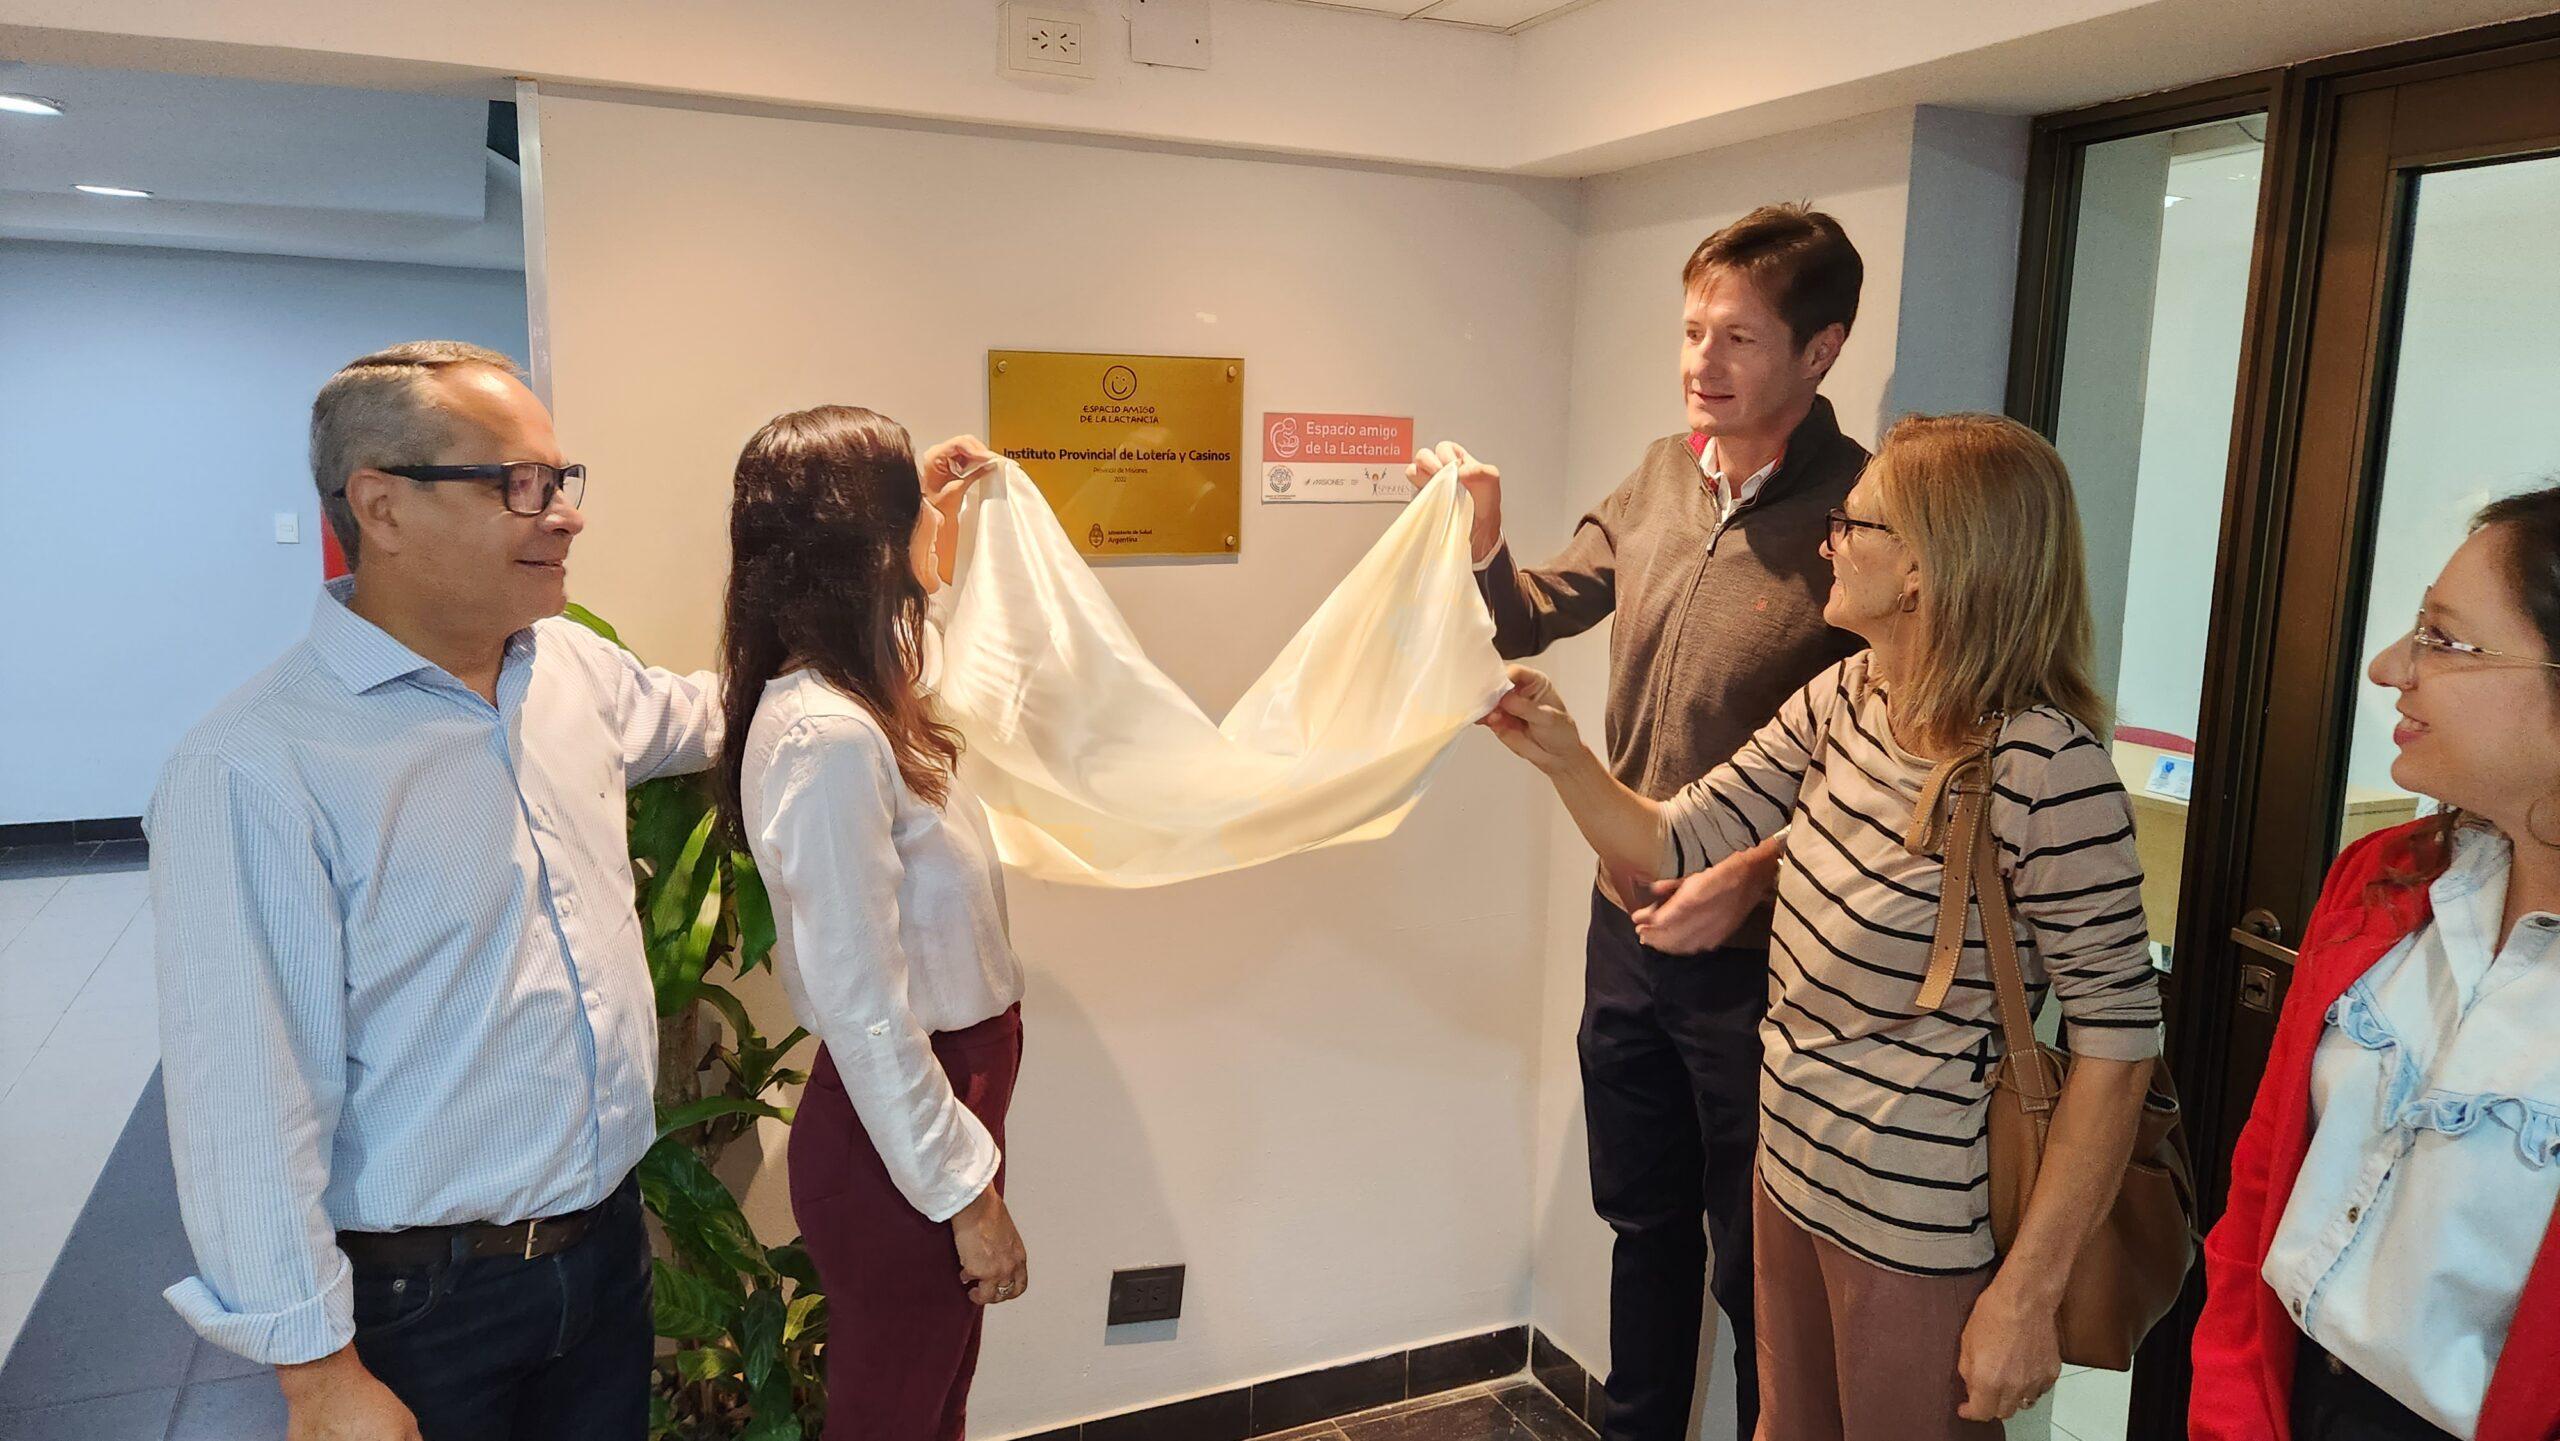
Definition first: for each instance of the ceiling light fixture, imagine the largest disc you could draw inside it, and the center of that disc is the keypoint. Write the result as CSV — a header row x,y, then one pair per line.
x,y
118,192
16,104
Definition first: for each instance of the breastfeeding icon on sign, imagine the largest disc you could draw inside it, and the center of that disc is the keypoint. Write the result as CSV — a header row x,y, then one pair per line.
x,y
1284,437
1119,383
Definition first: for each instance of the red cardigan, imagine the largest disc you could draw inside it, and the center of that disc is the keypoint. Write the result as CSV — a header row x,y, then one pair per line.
x,y
2245,1340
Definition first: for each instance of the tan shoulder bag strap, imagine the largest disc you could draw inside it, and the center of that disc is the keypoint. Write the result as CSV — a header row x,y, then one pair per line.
x,y
1954,816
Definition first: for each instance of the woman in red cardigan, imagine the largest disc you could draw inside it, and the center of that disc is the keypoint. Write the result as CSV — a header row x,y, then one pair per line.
x,y
2387,1266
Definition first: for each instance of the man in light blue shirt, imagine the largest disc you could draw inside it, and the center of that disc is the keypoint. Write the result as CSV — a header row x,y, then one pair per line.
x,y
408,1031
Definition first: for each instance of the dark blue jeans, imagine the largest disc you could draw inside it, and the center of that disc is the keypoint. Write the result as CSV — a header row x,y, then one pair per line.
x,y
2332,1403
498,1349
1671,1098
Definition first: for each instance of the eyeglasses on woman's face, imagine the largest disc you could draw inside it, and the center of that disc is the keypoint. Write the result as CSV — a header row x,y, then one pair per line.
x,y
1842,522
2433,644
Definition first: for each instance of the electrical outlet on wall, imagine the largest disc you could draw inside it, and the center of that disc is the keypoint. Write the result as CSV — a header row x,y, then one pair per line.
x,y
1152,1293
1046,41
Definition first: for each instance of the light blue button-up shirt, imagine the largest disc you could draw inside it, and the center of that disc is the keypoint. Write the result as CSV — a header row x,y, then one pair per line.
x,y
401,979
2435,1166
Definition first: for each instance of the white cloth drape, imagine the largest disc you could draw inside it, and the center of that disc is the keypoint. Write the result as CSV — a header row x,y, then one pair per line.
x,y
1097,769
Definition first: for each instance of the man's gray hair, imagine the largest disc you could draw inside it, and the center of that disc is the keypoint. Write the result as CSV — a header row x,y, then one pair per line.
x,y
380,410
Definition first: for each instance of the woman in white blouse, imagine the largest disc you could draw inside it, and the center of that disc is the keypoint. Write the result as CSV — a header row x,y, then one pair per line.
x,y
2387,1267
888,903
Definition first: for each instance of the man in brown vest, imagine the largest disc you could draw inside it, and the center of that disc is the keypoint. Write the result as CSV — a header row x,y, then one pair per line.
x,y
1709,557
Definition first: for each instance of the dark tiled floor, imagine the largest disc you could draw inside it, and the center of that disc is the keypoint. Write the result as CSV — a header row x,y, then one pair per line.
x,y
102,1357
1514,1410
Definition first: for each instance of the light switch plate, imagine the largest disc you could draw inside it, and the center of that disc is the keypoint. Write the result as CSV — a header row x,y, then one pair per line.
x,y
1046,41
1170,32
288,528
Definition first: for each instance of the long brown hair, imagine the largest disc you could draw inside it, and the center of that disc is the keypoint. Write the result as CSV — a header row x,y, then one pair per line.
x,y
1986,506
2530,525
821,522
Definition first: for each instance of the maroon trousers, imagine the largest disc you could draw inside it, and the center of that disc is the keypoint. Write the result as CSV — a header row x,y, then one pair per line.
x,y
902,1333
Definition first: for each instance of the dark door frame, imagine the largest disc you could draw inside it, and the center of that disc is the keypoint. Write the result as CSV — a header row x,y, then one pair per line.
x,y
2300,103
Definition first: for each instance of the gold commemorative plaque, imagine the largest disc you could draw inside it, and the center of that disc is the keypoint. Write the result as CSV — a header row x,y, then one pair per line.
x,y
1138,454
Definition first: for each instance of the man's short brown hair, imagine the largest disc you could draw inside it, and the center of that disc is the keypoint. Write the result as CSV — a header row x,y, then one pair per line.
x,y
1799,257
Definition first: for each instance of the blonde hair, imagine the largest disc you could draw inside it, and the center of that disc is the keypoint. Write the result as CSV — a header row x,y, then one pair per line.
x,y
1986,507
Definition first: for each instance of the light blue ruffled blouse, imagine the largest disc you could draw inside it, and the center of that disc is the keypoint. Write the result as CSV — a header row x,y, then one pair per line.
x,y
2434,1165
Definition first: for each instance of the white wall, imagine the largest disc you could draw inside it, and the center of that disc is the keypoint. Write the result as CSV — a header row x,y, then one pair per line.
x,y
1604,86
1310,1082
153,413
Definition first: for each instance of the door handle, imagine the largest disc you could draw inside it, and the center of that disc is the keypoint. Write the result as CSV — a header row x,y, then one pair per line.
x,y
2261,932
2262,985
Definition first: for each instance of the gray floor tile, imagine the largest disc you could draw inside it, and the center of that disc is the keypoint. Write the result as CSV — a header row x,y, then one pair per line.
x,y
99,1327
249,1408
140,1416
212,1363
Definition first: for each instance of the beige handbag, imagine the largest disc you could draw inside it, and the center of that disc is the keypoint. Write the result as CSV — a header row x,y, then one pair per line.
x,y
2130,1271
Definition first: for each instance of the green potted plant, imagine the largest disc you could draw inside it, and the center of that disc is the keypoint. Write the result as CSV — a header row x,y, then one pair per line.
x,y
742,1324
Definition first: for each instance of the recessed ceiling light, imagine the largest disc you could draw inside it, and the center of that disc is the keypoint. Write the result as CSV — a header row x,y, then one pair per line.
x,y
16,104
2168,200
120,192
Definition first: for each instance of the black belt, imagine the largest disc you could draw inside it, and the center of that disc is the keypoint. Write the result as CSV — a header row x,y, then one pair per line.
x,y
437,1245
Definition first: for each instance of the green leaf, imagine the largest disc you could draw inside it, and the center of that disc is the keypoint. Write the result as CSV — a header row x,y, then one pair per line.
x,y
804,1309
664,814
760,1326
757,1064
793,1262
591,621
773,1424
702,1218
755,913
682,886
701,1363
689,1307
694,1113
731,1009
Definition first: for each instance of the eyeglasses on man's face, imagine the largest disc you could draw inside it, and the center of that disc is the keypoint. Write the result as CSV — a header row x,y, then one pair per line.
x,y
527,486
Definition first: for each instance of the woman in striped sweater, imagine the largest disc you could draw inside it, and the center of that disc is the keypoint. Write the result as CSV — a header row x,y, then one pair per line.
x,y
1882,1309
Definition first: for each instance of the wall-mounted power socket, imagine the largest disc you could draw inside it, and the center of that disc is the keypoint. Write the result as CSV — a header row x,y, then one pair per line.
x,y
1046,41
1153,1293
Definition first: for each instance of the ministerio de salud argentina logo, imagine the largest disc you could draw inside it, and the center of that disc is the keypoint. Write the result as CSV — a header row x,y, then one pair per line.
x,y
1279,480
1093,537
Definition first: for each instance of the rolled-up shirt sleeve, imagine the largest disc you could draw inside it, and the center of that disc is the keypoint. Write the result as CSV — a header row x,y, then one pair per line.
x,y
830,836
2077,882
252,977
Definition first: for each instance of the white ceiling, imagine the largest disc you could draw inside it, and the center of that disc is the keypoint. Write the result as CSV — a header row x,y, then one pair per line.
x,y
1504,15
256,166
